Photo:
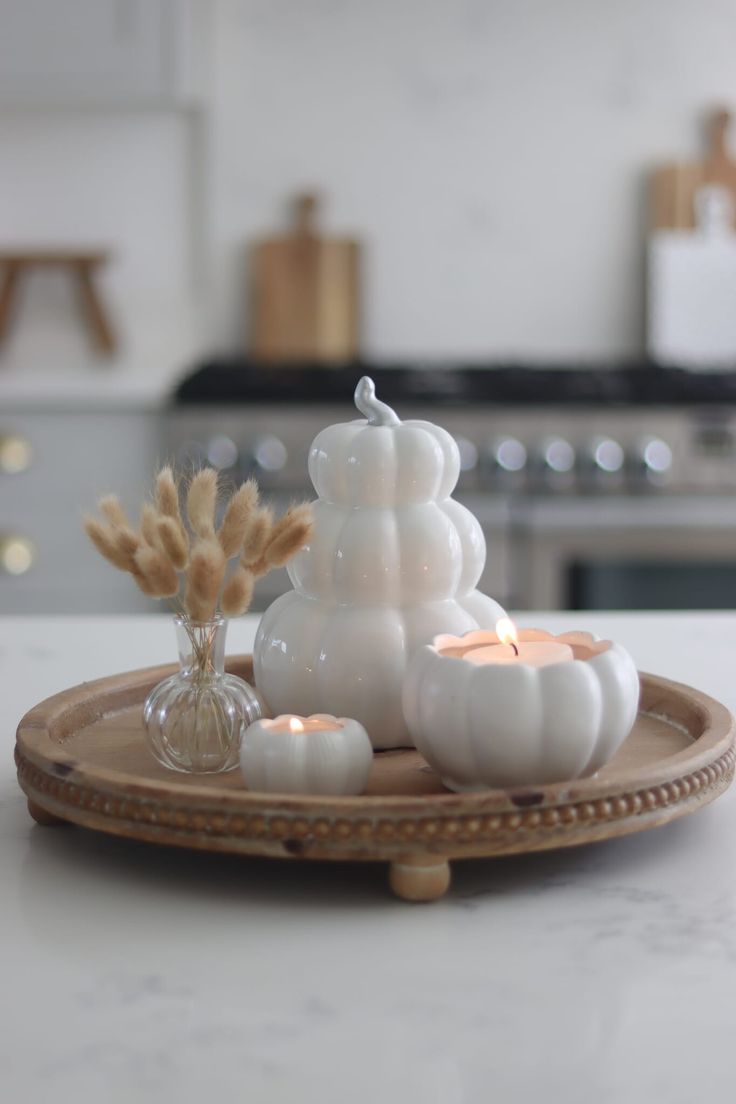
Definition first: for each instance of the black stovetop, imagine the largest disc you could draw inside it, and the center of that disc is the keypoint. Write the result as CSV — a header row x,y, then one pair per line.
x,y
226,381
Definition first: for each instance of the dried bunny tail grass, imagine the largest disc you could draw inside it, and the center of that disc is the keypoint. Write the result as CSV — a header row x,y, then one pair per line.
x,y
204,578
155,555
202,501
157,572
238,592
237,516
144,584
127,540
287,544
173,541
167,494
149,524
299,512
290,534
257,535
167,501
103,538
110,508
195,609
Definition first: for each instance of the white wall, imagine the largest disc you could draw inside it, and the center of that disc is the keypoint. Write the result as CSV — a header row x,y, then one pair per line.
x,y
96,178
492,155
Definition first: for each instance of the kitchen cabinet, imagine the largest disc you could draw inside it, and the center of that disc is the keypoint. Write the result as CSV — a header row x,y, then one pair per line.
x,y
53,468
98,52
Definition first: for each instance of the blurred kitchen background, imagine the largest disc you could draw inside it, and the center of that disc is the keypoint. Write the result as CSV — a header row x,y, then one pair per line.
x,y
517,215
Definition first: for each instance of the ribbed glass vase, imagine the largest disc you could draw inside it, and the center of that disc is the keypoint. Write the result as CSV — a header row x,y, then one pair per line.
x,y
193,718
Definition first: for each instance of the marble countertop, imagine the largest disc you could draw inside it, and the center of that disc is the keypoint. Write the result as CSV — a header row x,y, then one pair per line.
x,y
134,974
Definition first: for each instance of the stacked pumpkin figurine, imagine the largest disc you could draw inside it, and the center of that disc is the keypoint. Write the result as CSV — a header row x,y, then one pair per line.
x,y
393,561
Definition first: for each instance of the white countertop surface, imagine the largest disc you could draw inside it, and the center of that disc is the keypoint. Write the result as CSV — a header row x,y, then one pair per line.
x,y
132,973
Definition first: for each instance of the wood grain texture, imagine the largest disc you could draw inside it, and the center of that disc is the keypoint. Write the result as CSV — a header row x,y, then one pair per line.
x,y
81,265
54,257
81,757
305,295
674,185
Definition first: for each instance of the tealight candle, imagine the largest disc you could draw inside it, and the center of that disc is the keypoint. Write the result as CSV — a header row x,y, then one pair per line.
x,y
535,653
318,723
320,754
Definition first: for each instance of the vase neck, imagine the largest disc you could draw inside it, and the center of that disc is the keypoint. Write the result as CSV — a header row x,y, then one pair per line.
x,y
201,646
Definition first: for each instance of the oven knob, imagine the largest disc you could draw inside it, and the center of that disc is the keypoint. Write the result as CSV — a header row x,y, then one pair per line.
x,y
654,458
17,554
222,452
508,455
557,456
268,454
468,454
606,455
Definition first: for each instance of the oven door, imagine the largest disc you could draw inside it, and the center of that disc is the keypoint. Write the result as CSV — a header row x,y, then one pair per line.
x,y
494,514
674,552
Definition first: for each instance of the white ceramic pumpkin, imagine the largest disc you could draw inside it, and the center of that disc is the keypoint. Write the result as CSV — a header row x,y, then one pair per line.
x,y
485,726
325,755
392,562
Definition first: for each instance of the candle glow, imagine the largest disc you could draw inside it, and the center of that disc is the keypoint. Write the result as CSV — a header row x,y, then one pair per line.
x,y
295,725
504,648
507,634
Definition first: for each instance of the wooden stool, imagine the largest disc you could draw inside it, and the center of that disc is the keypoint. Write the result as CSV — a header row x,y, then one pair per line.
x,y
81,265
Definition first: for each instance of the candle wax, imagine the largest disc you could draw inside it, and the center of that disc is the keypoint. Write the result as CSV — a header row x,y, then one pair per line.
x,y
533,653
309,724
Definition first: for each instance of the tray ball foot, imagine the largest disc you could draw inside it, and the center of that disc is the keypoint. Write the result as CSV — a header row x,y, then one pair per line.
x,y
421,879
42,816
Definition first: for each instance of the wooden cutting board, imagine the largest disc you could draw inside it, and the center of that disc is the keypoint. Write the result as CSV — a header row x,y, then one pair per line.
x,y
305,294
691,263
675,185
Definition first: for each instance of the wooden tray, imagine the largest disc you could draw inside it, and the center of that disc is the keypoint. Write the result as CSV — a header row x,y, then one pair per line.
x,y
81,757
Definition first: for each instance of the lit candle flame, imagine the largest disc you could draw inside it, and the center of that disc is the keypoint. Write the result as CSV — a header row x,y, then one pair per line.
x,y
506,631
295,725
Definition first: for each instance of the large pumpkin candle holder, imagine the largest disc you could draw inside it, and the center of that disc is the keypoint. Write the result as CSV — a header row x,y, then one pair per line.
x,y
393,560
497,710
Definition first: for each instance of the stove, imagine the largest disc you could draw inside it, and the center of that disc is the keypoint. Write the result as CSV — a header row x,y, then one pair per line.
x,y
242,381
567,468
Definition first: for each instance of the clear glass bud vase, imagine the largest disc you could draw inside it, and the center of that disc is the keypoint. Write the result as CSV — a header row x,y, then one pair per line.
x,y
193,718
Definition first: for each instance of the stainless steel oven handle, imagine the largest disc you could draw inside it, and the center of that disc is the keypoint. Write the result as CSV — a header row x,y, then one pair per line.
x,y
629,513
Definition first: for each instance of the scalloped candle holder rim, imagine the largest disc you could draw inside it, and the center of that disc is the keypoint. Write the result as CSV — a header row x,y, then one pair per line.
x,y
584,645
269,722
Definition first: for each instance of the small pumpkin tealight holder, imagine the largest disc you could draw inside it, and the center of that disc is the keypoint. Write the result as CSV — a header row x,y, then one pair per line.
x,y
492,710
320,754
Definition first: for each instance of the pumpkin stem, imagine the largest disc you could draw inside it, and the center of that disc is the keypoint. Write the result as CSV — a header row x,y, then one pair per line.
x,y
377,412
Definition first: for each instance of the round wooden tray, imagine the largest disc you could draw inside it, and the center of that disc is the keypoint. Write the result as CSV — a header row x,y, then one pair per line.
x,y
81,757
